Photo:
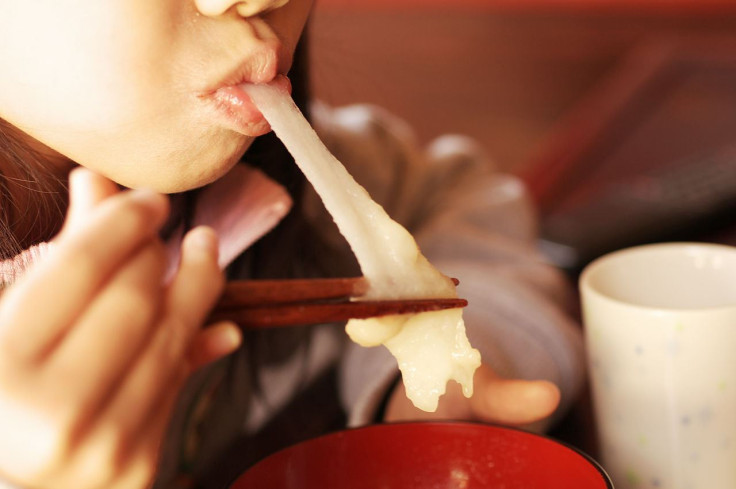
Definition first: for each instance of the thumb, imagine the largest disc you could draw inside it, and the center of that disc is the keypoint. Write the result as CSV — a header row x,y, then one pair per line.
x,y
86,190
512,402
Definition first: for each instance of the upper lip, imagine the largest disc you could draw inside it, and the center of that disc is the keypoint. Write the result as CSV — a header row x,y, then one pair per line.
x,y
264,62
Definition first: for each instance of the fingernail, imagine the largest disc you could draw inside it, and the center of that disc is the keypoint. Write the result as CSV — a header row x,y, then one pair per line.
x,y
230,338
203,238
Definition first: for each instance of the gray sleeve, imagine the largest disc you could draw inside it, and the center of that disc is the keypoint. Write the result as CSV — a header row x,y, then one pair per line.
x,y
473,224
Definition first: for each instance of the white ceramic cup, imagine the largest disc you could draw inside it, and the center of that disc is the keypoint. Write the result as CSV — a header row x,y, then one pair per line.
x,y
660,329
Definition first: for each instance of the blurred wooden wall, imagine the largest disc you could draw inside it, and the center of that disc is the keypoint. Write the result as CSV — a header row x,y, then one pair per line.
x,y
502,75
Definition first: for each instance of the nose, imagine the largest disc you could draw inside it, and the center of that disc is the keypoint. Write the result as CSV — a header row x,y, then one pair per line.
x,y
244,8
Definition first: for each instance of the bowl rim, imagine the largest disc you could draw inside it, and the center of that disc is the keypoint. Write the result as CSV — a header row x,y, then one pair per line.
x,y
440,423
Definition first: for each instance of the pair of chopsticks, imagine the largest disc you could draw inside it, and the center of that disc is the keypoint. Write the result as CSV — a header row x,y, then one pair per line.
x,y
275,303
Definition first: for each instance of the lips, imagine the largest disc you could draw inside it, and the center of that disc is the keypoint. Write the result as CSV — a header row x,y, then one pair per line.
x,y
237,106
264,64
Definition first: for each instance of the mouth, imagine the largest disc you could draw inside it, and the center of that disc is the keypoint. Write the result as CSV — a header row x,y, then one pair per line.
x,y
233,107
238,110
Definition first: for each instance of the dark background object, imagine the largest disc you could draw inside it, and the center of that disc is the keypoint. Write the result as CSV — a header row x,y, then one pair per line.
x,y
648,156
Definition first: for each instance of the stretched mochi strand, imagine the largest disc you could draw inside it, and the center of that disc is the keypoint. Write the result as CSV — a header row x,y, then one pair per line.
x,y
430,348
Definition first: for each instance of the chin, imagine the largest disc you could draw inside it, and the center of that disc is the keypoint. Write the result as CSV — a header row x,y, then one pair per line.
x,y
177,177
193,178
196,168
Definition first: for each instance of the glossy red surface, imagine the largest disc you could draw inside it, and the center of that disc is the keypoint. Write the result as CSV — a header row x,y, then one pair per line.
x,y
426,456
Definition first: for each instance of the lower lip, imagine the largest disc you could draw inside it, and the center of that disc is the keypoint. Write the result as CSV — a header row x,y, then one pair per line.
x,y
240,112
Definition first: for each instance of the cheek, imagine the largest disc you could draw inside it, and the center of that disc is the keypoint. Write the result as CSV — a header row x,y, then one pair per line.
x,y
76,76
77,71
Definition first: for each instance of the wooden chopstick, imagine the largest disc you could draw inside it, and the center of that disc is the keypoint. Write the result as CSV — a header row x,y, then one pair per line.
x,y
279,315
243,293
278,303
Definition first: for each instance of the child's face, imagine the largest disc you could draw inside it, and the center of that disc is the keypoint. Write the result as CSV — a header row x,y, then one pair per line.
x,y
126,87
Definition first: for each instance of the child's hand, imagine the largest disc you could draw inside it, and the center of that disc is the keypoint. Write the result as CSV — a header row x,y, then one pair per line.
x,y
494,400
94,348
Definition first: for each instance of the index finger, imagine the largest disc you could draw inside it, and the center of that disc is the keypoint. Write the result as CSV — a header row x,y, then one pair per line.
x,y
75,270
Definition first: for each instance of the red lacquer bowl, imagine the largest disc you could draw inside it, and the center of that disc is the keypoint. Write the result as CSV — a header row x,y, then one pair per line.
x,y
427,456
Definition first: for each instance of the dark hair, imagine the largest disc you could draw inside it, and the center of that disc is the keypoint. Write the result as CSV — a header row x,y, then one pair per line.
x,y
267,152
291,249
283,253
266,258
33,199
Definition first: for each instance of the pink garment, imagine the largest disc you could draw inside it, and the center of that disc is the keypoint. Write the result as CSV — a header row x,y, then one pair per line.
x,y
13,268
241,207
